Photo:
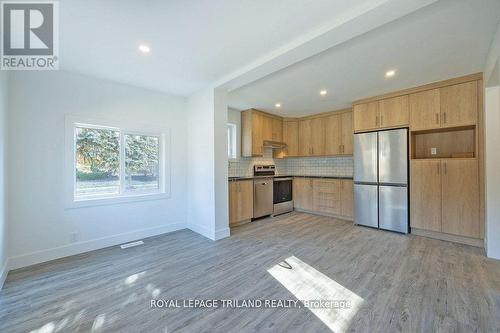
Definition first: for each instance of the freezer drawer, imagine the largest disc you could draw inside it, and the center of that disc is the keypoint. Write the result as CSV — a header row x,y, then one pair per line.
x,y
393,208
365,157
366,205
393,156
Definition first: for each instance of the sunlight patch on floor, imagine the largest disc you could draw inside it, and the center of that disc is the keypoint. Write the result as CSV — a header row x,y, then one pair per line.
x,y
306,283
47,328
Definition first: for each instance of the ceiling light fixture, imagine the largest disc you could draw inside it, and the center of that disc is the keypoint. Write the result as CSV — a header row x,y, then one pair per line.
x,y
144,48
278,105
390,73
323,92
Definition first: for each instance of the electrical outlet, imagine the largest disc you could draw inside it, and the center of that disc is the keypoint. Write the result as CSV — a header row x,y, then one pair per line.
x,y
433,151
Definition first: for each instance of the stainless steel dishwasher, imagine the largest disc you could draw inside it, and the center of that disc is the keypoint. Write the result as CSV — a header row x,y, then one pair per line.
x,y
262,197
263,190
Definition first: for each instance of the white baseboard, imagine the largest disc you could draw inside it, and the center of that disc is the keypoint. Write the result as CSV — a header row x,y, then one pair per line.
x,y
210,234
86,246
205,232
222,233
3,273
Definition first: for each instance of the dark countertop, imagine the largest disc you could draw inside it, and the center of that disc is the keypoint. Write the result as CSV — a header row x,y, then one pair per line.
x,y
282,176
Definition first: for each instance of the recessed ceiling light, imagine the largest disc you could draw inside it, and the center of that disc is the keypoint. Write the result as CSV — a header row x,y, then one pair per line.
x,y
144,48
323,92
278,105
390,73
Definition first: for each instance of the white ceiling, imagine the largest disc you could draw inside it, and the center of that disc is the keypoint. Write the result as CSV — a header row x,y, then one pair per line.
x,y
446,39
193,42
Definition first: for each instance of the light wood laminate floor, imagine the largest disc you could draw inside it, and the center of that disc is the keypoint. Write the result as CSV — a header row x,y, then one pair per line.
x,y
404,283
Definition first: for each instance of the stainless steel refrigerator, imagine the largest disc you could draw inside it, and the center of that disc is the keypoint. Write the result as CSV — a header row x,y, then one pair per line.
x,y
381,180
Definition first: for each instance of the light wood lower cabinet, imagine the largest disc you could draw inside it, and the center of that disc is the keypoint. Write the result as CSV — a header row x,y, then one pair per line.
x,y
303,193
324,195
460,197
240,201
445,196
425,194
347,197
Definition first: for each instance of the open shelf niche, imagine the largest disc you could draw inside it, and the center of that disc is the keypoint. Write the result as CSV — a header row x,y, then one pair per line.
x,y
444,143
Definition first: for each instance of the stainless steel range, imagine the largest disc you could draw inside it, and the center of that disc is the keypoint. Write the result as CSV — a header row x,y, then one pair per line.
x,y
272,194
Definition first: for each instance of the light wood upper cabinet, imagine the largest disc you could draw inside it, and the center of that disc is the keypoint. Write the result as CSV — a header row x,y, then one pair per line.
x,y
394,112
240,201
459,104
251,133
425,194
291,137
450,106
305,135
347,197
333,134
425,110
317,137
347,133
277,133
303,193
460,197
257,127
267,128
366,116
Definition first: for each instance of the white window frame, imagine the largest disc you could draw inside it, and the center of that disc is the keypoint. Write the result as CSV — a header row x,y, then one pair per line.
x,y
124,128
234,142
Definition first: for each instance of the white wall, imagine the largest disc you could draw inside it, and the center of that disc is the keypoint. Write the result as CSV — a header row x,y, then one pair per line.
x,y
207,164
3,197
492,137
40,226
492,109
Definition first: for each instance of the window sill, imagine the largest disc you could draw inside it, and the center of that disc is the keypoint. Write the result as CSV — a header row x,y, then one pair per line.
x,y
105,201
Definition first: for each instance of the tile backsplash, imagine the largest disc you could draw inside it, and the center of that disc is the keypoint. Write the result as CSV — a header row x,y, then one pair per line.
x,y
296,166
320,166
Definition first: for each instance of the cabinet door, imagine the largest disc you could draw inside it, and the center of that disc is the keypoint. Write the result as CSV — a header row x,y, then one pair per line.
x,y
267,128
318,137
233,202
333,135
347,134
291,137
347,197
326,196
302,193
257,134
460,197
425,194
245,200
277,130
459,104
366,116
425,110
305,146
394,112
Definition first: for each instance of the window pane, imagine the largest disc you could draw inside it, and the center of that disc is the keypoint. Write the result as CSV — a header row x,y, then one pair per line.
x,y
142,155
231,140
97,161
